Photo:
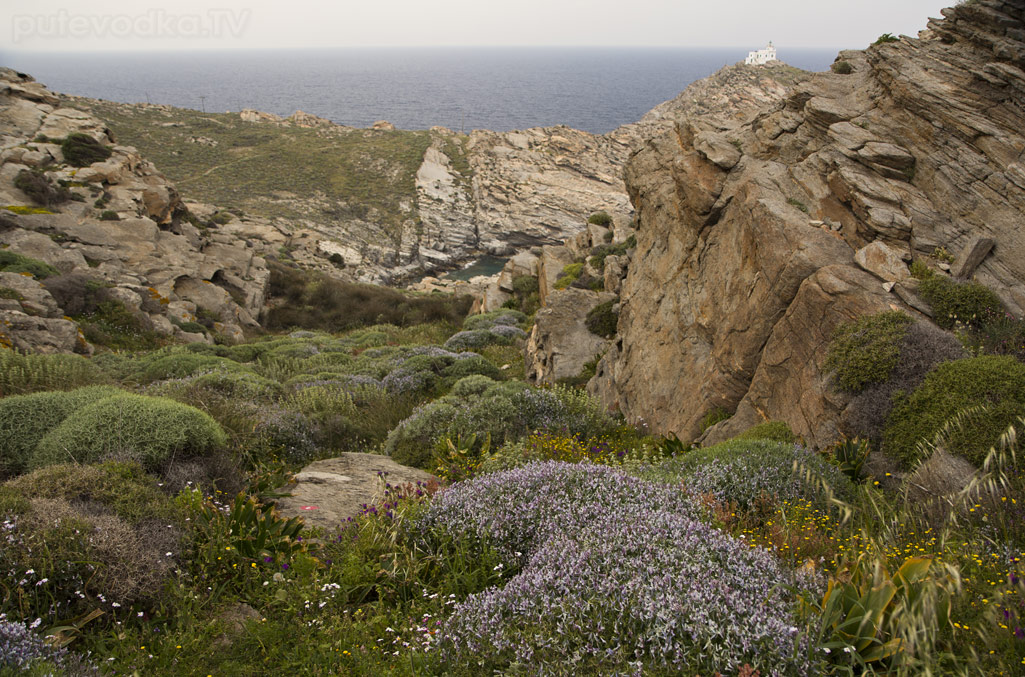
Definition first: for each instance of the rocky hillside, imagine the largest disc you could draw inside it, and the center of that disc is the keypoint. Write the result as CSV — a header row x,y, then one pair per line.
x,y
90,228
755,240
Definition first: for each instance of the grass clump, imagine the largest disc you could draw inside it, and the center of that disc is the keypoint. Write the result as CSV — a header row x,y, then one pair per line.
x,y
885,38
842,67
865,351
82,150
153,431
600,219
11,262
952,302
995,384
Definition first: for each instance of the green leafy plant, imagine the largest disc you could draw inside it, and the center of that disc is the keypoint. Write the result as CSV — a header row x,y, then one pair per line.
x,y
600,219
865,351
109,215
11,262
254,529
842,67
856,612
850,455
885,38
569,275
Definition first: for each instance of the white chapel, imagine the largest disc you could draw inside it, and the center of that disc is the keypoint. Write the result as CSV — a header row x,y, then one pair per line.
x,y
761,56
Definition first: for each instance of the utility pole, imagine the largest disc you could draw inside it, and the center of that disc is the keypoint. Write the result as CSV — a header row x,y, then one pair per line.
x,y
202,101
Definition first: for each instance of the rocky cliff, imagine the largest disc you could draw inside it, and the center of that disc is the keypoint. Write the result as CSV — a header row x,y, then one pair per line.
x,y
757,238
103,223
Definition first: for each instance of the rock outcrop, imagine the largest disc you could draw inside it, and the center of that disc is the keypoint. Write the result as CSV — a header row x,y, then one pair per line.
x,y
746,261
120,226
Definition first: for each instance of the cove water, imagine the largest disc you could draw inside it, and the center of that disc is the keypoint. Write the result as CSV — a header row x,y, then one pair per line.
x,y
462,88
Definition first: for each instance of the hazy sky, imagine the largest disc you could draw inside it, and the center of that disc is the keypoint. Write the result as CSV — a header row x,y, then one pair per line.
x,y
48,25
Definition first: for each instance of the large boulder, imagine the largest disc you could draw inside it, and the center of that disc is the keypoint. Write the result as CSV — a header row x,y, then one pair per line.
x,y
560,343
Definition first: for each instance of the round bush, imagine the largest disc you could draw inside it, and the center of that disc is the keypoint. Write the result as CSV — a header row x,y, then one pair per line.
x,y
952,302
475,384
412,441
508,331
181,364
775,431
865,351
742,471
994,382
468,366
26,419
474,338
126,427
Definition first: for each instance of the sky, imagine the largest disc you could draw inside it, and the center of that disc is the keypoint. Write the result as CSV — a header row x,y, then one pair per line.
x,y
131,25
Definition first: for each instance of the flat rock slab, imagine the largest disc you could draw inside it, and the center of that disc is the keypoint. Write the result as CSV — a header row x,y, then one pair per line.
x,y
328,492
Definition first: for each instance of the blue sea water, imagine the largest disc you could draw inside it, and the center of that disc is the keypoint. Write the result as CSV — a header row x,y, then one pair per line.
x,y
463,88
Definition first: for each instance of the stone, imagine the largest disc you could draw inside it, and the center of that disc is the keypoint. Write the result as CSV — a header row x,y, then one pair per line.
x,y
615,271
552,261
560,343
882,261
41,334
974,253
939,477
326,493
34,298
383,125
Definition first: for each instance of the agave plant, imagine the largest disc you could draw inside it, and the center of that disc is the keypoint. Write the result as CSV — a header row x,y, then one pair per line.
x,y
856,612
850,455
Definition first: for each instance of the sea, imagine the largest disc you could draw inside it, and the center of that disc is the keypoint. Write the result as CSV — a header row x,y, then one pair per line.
x,y
595,89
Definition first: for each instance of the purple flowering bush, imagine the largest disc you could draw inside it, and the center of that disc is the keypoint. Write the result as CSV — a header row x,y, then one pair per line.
x,y
612,574
24,652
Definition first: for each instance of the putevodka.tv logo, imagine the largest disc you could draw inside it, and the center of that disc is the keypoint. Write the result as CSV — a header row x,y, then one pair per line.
x,y
151,24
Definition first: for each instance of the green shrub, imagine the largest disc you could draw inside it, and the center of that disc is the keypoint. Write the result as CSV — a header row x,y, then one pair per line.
x,y
150,430
470,366
602,320
10,262
220,218
26,419
316,302
496,317
994,382
569,275
842,67
89,536
37,185
469,386
473,339
745,471
28,373
109,215
180,364
885,38
112,325
600,219
776,431
865,351
82,150
601,252
920,270
953,302
923,347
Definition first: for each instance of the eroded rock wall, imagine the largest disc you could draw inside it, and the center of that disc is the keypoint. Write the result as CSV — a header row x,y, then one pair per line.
x,y
745,260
